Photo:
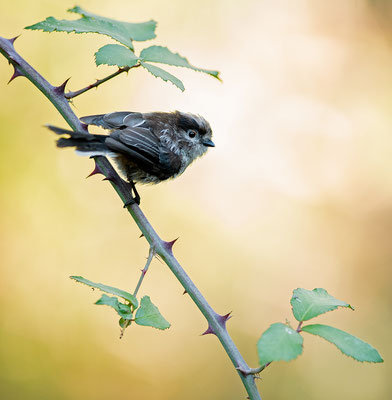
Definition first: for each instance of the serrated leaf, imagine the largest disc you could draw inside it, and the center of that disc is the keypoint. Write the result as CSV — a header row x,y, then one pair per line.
x,y
163,55
346,343
307,304
160,73
139,32
115,54
149,315
279,342
122,309
108,289
123,32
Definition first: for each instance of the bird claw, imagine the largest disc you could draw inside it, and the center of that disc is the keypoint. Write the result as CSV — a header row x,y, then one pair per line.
x,y
135,197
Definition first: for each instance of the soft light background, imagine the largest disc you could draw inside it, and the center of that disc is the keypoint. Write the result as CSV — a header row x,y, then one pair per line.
x,y
297,193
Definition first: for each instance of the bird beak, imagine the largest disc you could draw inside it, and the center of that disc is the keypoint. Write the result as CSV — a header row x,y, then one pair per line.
x,y
208,143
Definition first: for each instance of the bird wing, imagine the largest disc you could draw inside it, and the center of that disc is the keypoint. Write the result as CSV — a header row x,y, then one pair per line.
x,y
115,120
145,150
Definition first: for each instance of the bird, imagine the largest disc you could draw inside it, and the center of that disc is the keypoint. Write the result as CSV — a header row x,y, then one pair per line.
x,y
147,148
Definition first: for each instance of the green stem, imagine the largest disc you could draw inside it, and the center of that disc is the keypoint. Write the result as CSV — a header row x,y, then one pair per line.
x,y
71,95
216,323
151,255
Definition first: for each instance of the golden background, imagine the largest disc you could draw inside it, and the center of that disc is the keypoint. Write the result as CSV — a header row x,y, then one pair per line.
x,y
297,193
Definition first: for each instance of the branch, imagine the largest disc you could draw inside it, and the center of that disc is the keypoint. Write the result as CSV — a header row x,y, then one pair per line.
x,y
71,95
151,255
254,371
216,322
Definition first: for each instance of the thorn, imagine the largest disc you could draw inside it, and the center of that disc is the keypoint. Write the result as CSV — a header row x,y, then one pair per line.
x,y
84,126
209,331
61,89
222,319
185,292
15,74
169,245
12,41
141,236
110,177
242,370
95,171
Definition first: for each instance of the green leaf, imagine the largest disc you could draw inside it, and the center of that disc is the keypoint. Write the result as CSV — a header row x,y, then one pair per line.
x,y
279,342
108,289
307,304
140,32
163,55
122,309
346,343
149,315
123,32
160,73
115,54
124,323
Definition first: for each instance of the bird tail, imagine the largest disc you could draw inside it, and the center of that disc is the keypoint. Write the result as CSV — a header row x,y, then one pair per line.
x,y
85,143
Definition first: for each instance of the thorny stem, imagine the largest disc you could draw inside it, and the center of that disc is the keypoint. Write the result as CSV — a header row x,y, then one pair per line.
x,y
151,255
216,322
71,95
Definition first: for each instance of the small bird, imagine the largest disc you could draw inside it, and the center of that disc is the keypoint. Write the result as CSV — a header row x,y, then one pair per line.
x,y
147,147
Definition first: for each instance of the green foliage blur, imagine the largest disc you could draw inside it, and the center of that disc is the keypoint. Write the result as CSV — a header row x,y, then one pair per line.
x,y
297,193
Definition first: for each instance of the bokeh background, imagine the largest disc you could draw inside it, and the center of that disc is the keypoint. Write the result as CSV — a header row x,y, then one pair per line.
x,y
297,193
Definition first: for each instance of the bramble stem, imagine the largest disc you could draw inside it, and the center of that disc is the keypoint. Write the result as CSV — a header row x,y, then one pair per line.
x,y
216,322
151,255
71,95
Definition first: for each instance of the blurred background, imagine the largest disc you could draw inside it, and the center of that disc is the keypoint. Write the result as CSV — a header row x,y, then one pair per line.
x,y
297,193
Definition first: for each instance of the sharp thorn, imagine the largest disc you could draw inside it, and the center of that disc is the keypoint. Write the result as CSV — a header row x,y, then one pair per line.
x,y
222,319
209,331
85,126
169,245
141,236
15,74
185,292
95,172
61,89
12,41
112,179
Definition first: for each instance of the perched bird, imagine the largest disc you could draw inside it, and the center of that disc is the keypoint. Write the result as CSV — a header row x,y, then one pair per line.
x,y
147,147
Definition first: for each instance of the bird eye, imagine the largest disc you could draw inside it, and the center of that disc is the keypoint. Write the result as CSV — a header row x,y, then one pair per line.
x,y
191,133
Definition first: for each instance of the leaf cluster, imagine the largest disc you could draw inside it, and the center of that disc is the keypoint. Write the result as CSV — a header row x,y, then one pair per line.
x,y
281,342
145,314
123,54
